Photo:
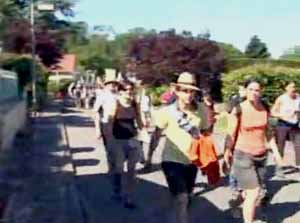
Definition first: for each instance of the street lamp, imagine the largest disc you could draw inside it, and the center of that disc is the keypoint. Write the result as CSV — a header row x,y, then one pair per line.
x,y
40,7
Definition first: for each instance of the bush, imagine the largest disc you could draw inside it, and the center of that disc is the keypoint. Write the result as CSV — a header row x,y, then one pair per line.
x,y
21,64
273,79
61,86
238,63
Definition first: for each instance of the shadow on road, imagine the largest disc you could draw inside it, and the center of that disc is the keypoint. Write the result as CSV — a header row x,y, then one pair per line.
x,y
82,149
153,200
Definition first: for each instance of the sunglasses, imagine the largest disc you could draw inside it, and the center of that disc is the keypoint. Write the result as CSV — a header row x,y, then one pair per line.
x,y
184,90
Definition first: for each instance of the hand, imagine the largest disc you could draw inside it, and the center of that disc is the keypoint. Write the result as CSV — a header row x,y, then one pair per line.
x,y
280,162
228,157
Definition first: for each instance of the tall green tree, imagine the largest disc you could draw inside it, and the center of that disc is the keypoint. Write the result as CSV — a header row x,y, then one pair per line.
x,y
230,51
257,49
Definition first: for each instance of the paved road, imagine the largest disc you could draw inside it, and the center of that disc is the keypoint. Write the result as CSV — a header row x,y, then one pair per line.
x,y
209,204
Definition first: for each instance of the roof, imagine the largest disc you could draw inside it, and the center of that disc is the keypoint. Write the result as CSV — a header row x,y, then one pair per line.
x,y
66,64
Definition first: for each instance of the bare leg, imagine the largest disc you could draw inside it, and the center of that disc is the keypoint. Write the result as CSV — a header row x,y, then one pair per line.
x,y
249,204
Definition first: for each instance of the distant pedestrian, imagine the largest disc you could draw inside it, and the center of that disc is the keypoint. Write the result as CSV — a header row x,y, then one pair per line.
x,y
236,99
97,108
287,109
209,107
145,106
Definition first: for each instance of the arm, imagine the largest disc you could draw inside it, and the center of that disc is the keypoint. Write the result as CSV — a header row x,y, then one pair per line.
x,y
278,158
155,139
139,121
231,136
275,111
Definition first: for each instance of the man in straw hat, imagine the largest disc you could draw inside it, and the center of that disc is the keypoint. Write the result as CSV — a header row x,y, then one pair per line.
x,y
181,122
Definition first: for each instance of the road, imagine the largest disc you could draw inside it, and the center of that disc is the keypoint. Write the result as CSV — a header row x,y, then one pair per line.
x,y
154,205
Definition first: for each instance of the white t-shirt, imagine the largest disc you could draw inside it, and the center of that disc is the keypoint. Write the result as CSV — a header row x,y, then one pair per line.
x,y
105,99
288,106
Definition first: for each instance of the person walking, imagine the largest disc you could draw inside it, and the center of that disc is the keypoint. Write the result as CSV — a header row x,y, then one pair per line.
x,y
145,106
287,110
181,123
107,99
249,125
122,128
97,108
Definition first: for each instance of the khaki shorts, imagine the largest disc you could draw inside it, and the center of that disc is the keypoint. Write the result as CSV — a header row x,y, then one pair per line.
x,y
249,170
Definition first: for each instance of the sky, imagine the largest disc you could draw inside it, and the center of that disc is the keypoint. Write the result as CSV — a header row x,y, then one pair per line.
x,y
230,21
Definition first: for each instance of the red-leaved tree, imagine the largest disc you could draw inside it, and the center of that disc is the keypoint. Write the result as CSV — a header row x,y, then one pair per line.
x,y
17,39
159,58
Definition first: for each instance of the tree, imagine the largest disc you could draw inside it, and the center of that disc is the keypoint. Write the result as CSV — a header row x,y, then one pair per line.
x,y
50,31
17,39
230,51
160,57
97,63
257,49
273,77
292,53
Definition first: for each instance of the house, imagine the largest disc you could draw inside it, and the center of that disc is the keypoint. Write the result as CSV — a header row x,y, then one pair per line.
x,y
64,69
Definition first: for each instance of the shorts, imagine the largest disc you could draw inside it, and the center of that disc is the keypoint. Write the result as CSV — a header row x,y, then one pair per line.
x,y
249,170
180,177
122,150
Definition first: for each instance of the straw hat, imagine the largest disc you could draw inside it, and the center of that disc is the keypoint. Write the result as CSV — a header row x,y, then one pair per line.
x,y
110,76
186,80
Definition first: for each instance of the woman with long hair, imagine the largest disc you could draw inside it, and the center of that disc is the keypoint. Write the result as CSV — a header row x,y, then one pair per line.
x,y
247,146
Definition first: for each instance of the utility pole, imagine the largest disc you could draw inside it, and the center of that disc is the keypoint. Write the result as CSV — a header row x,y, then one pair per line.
x,y
40,7
33,65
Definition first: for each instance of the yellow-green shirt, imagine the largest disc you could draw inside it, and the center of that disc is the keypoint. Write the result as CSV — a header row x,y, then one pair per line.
x,y
178,141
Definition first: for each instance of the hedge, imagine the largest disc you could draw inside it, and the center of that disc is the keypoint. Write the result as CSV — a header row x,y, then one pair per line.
x,y
273,79
237,63
21,64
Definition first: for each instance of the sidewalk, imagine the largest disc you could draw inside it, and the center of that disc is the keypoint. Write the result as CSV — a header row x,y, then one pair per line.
x,y
42,166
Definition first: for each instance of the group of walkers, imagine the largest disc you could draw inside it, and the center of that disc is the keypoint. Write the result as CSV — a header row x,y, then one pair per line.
x,y
121,115
84,94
